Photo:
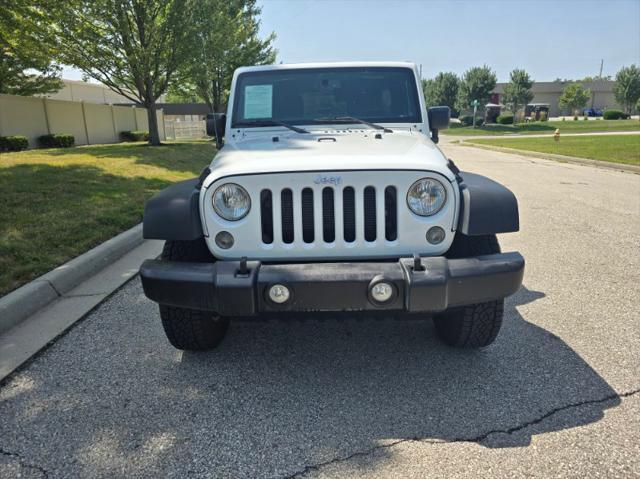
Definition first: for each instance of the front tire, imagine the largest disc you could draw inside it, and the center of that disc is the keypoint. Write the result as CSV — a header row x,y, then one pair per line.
x,y
476,325
191,329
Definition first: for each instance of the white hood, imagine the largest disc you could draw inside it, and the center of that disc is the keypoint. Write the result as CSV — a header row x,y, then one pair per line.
x,y
333,150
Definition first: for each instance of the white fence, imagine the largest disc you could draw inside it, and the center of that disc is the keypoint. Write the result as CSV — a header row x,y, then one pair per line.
x,y
187,129
89,123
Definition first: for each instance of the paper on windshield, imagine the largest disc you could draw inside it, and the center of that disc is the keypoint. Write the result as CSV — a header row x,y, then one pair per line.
x,y
258,101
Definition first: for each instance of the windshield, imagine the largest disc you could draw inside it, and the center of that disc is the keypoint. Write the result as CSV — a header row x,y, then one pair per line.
x,y
312,95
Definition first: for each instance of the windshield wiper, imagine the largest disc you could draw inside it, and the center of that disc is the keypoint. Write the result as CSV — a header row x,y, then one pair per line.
x,y
351,119
270,123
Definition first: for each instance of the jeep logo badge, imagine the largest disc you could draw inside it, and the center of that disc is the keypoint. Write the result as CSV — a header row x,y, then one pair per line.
x,y
328,180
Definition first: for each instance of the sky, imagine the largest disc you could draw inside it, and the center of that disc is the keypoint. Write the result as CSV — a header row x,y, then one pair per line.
x,y
548,38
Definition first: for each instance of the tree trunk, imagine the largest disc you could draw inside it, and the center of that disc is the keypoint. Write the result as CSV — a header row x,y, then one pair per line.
x,y
154,135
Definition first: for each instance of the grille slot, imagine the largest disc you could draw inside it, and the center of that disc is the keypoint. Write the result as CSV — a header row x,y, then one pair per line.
x,y
370,213
328,216
390,213
307,215
286,199
349,214
266,216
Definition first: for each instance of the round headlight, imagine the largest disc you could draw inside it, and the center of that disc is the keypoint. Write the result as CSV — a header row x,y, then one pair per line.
x,y
231,201
426,197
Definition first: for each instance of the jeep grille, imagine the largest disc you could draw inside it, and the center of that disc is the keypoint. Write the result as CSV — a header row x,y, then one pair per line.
x,y
298,216
328,233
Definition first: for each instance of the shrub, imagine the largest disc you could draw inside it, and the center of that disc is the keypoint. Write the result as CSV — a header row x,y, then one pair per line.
x,y
466,120
505,119
613,115
134,135
56,141
13,143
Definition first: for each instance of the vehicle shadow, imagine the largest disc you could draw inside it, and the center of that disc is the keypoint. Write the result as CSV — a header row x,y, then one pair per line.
x,y
113,399
389,379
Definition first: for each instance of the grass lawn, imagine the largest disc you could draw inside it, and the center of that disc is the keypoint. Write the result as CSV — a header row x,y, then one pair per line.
x,y
59,203
542,127
614,148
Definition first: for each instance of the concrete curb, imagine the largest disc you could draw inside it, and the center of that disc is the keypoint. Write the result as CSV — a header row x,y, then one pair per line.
x,y
22,303
553,156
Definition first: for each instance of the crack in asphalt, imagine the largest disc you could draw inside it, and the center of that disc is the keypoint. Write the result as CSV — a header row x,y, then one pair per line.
x,y
479,438
23,462
316,467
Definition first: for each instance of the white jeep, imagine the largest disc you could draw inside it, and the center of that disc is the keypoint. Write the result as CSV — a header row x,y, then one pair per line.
x,y
330,195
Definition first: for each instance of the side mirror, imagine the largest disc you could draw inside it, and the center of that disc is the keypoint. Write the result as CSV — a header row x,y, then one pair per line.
x,y
438,117
215,126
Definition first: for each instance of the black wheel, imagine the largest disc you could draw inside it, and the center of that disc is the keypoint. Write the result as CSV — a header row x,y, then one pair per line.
x,y
191,329
475,325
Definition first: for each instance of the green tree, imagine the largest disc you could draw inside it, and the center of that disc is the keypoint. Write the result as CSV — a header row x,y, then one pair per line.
x,y
596,78
180,92
477,84
518,92
627,87
574,97
442,91
134,47
26,66
227,38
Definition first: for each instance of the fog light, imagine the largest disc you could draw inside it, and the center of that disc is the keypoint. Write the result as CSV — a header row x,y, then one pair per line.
x,y
382,292
224,240
435,235
279,293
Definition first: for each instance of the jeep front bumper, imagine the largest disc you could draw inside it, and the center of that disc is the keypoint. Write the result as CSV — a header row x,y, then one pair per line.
x,y
233,288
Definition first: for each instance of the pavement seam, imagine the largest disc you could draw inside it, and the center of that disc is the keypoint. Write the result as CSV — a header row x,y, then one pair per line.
x,y
479,438
23,462
54,288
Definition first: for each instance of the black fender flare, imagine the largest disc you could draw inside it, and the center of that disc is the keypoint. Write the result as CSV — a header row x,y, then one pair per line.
x,y
486,206
174,213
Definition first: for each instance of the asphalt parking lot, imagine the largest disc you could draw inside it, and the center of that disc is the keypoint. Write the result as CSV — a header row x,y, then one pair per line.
x,y
556,395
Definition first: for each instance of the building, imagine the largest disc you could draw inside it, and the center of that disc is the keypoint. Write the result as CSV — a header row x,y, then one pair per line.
x,y
549,92
184,111
74,90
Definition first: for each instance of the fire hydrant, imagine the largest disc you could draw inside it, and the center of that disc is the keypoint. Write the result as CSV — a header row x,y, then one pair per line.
x,y
556,135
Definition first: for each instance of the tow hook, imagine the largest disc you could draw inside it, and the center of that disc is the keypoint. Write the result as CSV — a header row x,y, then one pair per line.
x,y
243,271
417,263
